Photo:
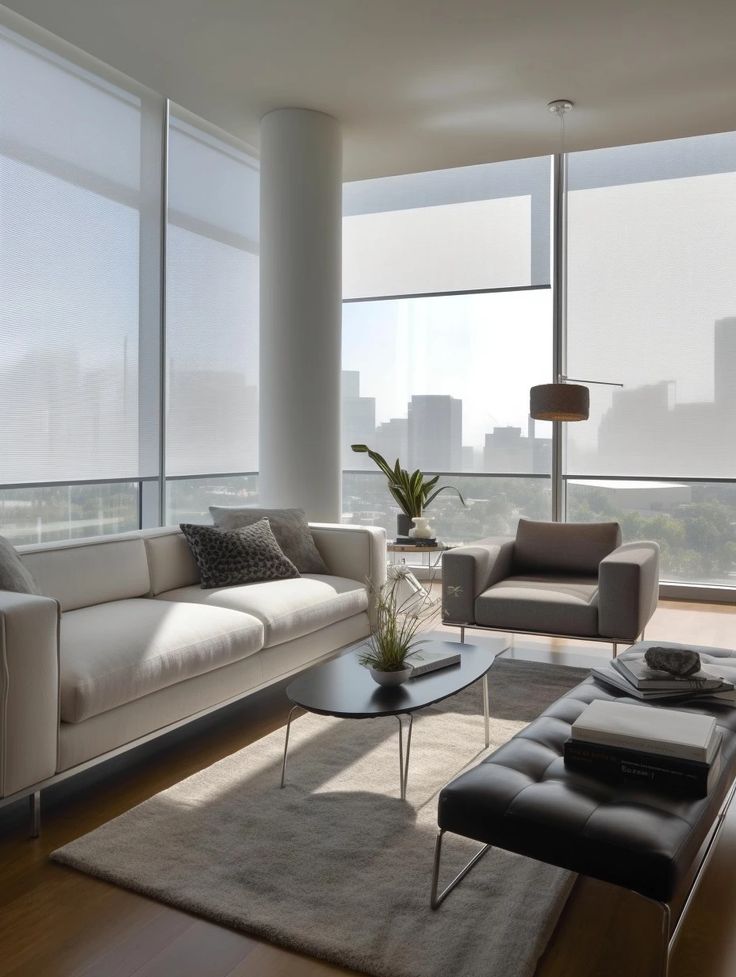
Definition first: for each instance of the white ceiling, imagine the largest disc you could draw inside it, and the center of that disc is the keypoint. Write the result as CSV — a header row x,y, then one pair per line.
x,y
422,84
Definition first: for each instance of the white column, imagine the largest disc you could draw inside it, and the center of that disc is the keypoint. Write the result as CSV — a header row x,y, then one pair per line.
x,y
300,303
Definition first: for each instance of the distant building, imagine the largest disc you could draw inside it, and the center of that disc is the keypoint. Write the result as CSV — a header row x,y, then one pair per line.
x,y
505,450
645,428
358,421
392,440
469,458
435,433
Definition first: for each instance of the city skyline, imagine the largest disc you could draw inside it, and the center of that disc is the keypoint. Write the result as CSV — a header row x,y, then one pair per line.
x,y
434,441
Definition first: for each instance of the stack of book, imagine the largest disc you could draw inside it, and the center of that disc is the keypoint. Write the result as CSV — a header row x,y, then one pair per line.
x,y
632,675
415,541
665,749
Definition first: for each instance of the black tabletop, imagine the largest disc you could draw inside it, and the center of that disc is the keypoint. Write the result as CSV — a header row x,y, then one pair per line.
x,y
344,687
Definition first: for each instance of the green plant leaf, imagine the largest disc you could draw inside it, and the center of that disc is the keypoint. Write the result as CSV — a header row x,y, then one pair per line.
x,y
443,488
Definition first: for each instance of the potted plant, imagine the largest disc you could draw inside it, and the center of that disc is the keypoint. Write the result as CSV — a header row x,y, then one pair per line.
x,y
393,638
412,492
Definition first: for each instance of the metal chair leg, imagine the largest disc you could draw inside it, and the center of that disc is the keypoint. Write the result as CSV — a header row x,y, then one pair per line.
x,y
462,636
34,803
615,648
435,899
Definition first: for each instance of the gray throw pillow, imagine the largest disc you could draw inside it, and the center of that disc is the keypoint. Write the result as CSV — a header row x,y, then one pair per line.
x,y
13,574
227,558
290,527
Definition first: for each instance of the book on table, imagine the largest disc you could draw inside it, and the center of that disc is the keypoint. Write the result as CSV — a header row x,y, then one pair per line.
x,y
663,748
665,732
609,675
429,661
636,671
621,766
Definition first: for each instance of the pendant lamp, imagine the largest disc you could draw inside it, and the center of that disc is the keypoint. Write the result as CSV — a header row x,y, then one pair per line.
x,y
559,402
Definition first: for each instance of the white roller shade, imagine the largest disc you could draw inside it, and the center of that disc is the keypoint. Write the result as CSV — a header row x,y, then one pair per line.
x,y
212,305
78,293
652,304
472,228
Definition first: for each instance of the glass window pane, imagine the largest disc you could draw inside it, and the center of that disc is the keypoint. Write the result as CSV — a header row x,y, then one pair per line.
x,y
50,512
443,383
494,505
211,306
189,499
652,304
693,522
474,227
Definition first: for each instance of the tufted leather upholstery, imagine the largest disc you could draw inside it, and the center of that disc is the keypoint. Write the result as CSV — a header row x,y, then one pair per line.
x,y
522,799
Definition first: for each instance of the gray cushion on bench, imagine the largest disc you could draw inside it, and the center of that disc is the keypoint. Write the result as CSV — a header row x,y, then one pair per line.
x,y
522,799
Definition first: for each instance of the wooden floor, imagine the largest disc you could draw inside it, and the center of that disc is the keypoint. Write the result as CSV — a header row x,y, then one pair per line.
x,y
55,922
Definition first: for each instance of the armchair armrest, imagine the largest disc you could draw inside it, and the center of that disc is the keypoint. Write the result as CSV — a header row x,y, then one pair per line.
x,y
356,552
29,690
469,570
628,589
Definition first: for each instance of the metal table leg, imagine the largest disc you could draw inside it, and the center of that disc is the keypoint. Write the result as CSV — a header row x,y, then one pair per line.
x,y
404,761
286,744
486,713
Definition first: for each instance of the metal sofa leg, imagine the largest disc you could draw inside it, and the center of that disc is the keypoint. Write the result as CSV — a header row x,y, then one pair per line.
x,y
666,936
664,959
34,803
435,899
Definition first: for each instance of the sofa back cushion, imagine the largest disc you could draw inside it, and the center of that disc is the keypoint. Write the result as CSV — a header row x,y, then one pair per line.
x,y
289,526
563,547
80,573
170,561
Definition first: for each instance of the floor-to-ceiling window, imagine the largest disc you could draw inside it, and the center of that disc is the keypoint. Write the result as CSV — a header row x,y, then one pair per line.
x,y
211,322
101,400
652,305
446,324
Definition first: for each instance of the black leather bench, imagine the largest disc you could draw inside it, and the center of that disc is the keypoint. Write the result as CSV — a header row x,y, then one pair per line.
x,y
523,799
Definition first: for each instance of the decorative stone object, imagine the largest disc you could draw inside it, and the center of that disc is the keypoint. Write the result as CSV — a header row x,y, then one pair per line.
x,y
675,661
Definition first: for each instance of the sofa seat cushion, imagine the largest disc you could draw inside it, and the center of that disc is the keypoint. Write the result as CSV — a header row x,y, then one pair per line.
x,y
557,605
288,608
120,651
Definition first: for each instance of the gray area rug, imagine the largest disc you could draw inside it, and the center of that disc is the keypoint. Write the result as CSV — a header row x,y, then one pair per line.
x,y
336,865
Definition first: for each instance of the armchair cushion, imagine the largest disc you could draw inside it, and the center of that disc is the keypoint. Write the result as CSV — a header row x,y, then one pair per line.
x,y
550,605
563,548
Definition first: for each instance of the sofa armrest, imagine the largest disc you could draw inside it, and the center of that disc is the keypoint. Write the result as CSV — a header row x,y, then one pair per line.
x,y
356,552
628,589
469,570
29,690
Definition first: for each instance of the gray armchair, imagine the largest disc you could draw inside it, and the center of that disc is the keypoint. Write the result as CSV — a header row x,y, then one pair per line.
x,y
573,580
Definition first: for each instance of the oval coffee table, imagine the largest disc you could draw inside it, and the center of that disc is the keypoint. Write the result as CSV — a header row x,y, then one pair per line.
x,y
344,688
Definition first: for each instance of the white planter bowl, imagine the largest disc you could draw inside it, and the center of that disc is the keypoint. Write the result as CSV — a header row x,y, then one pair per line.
x,y
389,679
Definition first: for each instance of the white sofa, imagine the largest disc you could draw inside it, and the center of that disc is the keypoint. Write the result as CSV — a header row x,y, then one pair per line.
x,y
127,645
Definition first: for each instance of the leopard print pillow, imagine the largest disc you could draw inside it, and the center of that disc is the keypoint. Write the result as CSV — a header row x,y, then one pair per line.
x,y
229,557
